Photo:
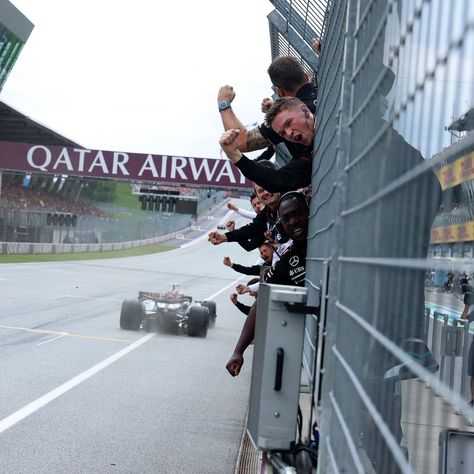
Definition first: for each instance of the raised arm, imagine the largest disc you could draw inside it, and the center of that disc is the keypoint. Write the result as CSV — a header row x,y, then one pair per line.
x,y
246,337
248,140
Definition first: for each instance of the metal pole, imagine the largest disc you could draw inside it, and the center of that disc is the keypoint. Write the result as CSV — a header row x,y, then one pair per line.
x,y
444,335
453,341
434,343
465,353
427,323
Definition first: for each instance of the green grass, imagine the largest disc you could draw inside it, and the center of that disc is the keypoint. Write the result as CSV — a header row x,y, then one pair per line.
x,y
125,198
60,257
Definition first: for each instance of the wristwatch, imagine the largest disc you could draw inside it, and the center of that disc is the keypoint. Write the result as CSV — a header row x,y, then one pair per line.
x,y
224,105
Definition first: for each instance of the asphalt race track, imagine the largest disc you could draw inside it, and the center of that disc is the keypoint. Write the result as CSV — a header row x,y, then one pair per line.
x,y
80,395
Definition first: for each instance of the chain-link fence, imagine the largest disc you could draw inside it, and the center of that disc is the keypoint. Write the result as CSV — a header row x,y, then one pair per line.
x,y
387,360
122,225
393,74
30,226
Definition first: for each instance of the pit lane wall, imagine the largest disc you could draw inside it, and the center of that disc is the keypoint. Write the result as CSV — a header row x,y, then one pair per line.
x,y
10,248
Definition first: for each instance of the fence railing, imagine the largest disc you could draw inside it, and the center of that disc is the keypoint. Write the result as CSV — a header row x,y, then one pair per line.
x,y
392,76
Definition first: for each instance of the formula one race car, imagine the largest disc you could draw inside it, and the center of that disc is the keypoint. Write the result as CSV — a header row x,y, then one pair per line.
x,y
168,311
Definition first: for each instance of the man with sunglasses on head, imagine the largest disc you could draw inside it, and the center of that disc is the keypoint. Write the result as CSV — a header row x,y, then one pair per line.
x,y
293,212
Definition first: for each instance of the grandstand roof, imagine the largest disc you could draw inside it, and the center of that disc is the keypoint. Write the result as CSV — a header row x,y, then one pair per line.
x,y
16,127
464,123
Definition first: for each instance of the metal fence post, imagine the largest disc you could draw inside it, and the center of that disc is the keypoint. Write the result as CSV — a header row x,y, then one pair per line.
x,y
453,345
427,322
442,347
464,356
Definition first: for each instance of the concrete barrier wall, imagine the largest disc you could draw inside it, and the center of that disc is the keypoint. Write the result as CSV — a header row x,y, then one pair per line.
x,y
10,248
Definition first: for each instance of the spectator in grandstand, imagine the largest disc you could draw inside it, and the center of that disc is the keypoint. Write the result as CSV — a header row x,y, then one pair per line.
x,y
316,44
464,282
266,254
14,196
289,270
292,120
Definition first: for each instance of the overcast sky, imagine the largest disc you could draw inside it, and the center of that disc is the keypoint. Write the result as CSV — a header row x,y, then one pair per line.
x,y
141,76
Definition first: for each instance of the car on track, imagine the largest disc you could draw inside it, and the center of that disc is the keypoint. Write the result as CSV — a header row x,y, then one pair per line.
x,y
170,311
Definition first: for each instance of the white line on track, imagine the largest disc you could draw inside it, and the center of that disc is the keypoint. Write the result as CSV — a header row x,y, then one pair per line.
x,y
52,339
225,288
204,236
194,241
34,406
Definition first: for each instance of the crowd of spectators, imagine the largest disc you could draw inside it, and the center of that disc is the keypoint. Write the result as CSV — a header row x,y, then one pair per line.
x,y
162,189
17,197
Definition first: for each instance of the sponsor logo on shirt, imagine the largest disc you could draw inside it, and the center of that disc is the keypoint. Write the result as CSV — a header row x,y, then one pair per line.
x,y
294,260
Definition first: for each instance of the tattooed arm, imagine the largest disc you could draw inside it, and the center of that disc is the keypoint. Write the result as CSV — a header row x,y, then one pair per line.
x,y
248,140
255,141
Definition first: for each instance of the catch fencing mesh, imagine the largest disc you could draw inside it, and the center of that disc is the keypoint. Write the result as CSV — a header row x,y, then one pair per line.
x,y
390,223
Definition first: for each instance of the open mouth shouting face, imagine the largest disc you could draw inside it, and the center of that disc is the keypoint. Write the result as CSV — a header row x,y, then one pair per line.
x,y
295,125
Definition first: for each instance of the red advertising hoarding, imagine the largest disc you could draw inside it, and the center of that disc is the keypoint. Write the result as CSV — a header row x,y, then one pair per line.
x,y
72,161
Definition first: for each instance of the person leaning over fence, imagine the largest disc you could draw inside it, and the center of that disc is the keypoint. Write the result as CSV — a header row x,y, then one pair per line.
x,y
289,80
469,317
244,308
292,120
265,220
257,206
293,211
240,306
266,254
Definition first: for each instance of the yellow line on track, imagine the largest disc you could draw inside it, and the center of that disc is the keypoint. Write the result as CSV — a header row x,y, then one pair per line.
x,y
60,333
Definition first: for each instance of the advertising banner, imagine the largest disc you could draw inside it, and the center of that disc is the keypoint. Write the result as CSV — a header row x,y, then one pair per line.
x,y
72,161
457,172
453,233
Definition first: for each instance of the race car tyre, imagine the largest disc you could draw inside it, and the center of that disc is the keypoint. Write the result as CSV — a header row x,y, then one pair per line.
x,y
198,321
211,306
131,315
